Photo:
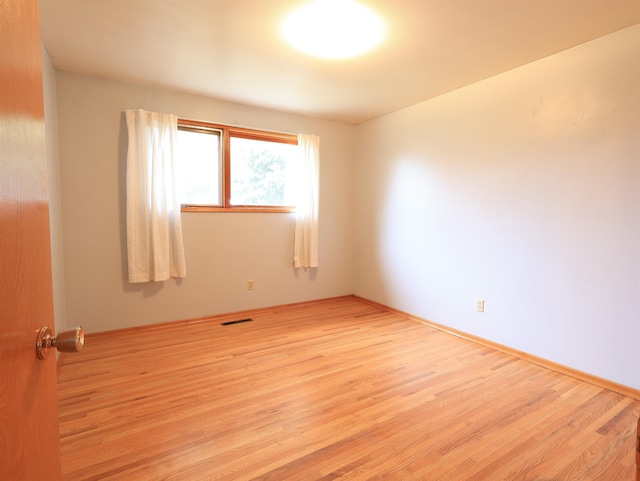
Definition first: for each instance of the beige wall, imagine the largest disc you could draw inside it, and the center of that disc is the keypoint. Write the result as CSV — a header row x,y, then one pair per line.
x,y
522,190
55,208
223,250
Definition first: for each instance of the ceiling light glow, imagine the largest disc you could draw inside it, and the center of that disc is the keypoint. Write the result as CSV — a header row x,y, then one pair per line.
x,y
333,29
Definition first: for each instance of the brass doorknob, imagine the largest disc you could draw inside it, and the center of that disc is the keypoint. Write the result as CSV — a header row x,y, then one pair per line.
x,y
70,340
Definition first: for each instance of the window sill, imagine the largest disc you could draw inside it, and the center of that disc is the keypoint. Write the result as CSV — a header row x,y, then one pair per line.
x,y
208,208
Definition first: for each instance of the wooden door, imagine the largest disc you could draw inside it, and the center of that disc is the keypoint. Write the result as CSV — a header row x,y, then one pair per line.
x,y
29,439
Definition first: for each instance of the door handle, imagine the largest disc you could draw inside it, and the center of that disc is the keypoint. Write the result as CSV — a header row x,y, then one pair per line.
x,y
70,340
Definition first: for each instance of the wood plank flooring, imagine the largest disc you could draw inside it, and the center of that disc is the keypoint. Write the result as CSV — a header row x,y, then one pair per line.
x,y
330,390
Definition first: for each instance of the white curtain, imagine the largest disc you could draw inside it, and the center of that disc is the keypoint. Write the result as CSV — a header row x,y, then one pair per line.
x,y
305,250
154,229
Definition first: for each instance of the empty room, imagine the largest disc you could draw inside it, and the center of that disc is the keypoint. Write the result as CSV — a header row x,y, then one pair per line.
x,y
320,240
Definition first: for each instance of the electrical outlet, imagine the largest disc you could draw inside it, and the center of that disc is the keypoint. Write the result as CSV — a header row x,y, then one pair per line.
x,y
480,305
250,285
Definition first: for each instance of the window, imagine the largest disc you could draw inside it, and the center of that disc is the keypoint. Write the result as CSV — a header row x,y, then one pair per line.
x,y
222,168
199,156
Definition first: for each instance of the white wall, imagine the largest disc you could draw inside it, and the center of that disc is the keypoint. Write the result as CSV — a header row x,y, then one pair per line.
x,y
524,190
223,250
55,208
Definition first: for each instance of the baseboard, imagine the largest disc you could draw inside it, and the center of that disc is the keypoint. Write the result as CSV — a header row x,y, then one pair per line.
x,y
595,380
59,359
575,373
212,318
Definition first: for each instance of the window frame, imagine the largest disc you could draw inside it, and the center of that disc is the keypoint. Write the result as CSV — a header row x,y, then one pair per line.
x,y
226,132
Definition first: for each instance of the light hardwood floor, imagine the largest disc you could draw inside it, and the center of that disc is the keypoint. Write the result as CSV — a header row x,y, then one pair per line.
x,y
330,390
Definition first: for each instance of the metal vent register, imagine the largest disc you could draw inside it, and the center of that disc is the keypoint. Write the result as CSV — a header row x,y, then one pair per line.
x,y
239,321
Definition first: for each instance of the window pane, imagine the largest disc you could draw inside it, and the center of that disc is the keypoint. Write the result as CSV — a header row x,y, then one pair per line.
x,y
199,167
259,171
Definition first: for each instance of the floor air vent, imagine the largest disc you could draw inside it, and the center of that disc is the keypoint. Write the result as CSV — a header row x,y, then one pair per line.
x,y
239,321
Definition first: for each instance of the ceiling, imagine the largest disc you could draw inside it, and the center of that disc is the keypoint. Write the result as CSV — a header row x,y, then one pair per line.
x,y
233,50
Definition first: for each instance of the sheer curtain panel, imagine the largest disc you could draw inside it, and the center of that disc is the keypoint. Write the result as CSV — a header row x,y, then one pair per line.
x,y
154,229
305,249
